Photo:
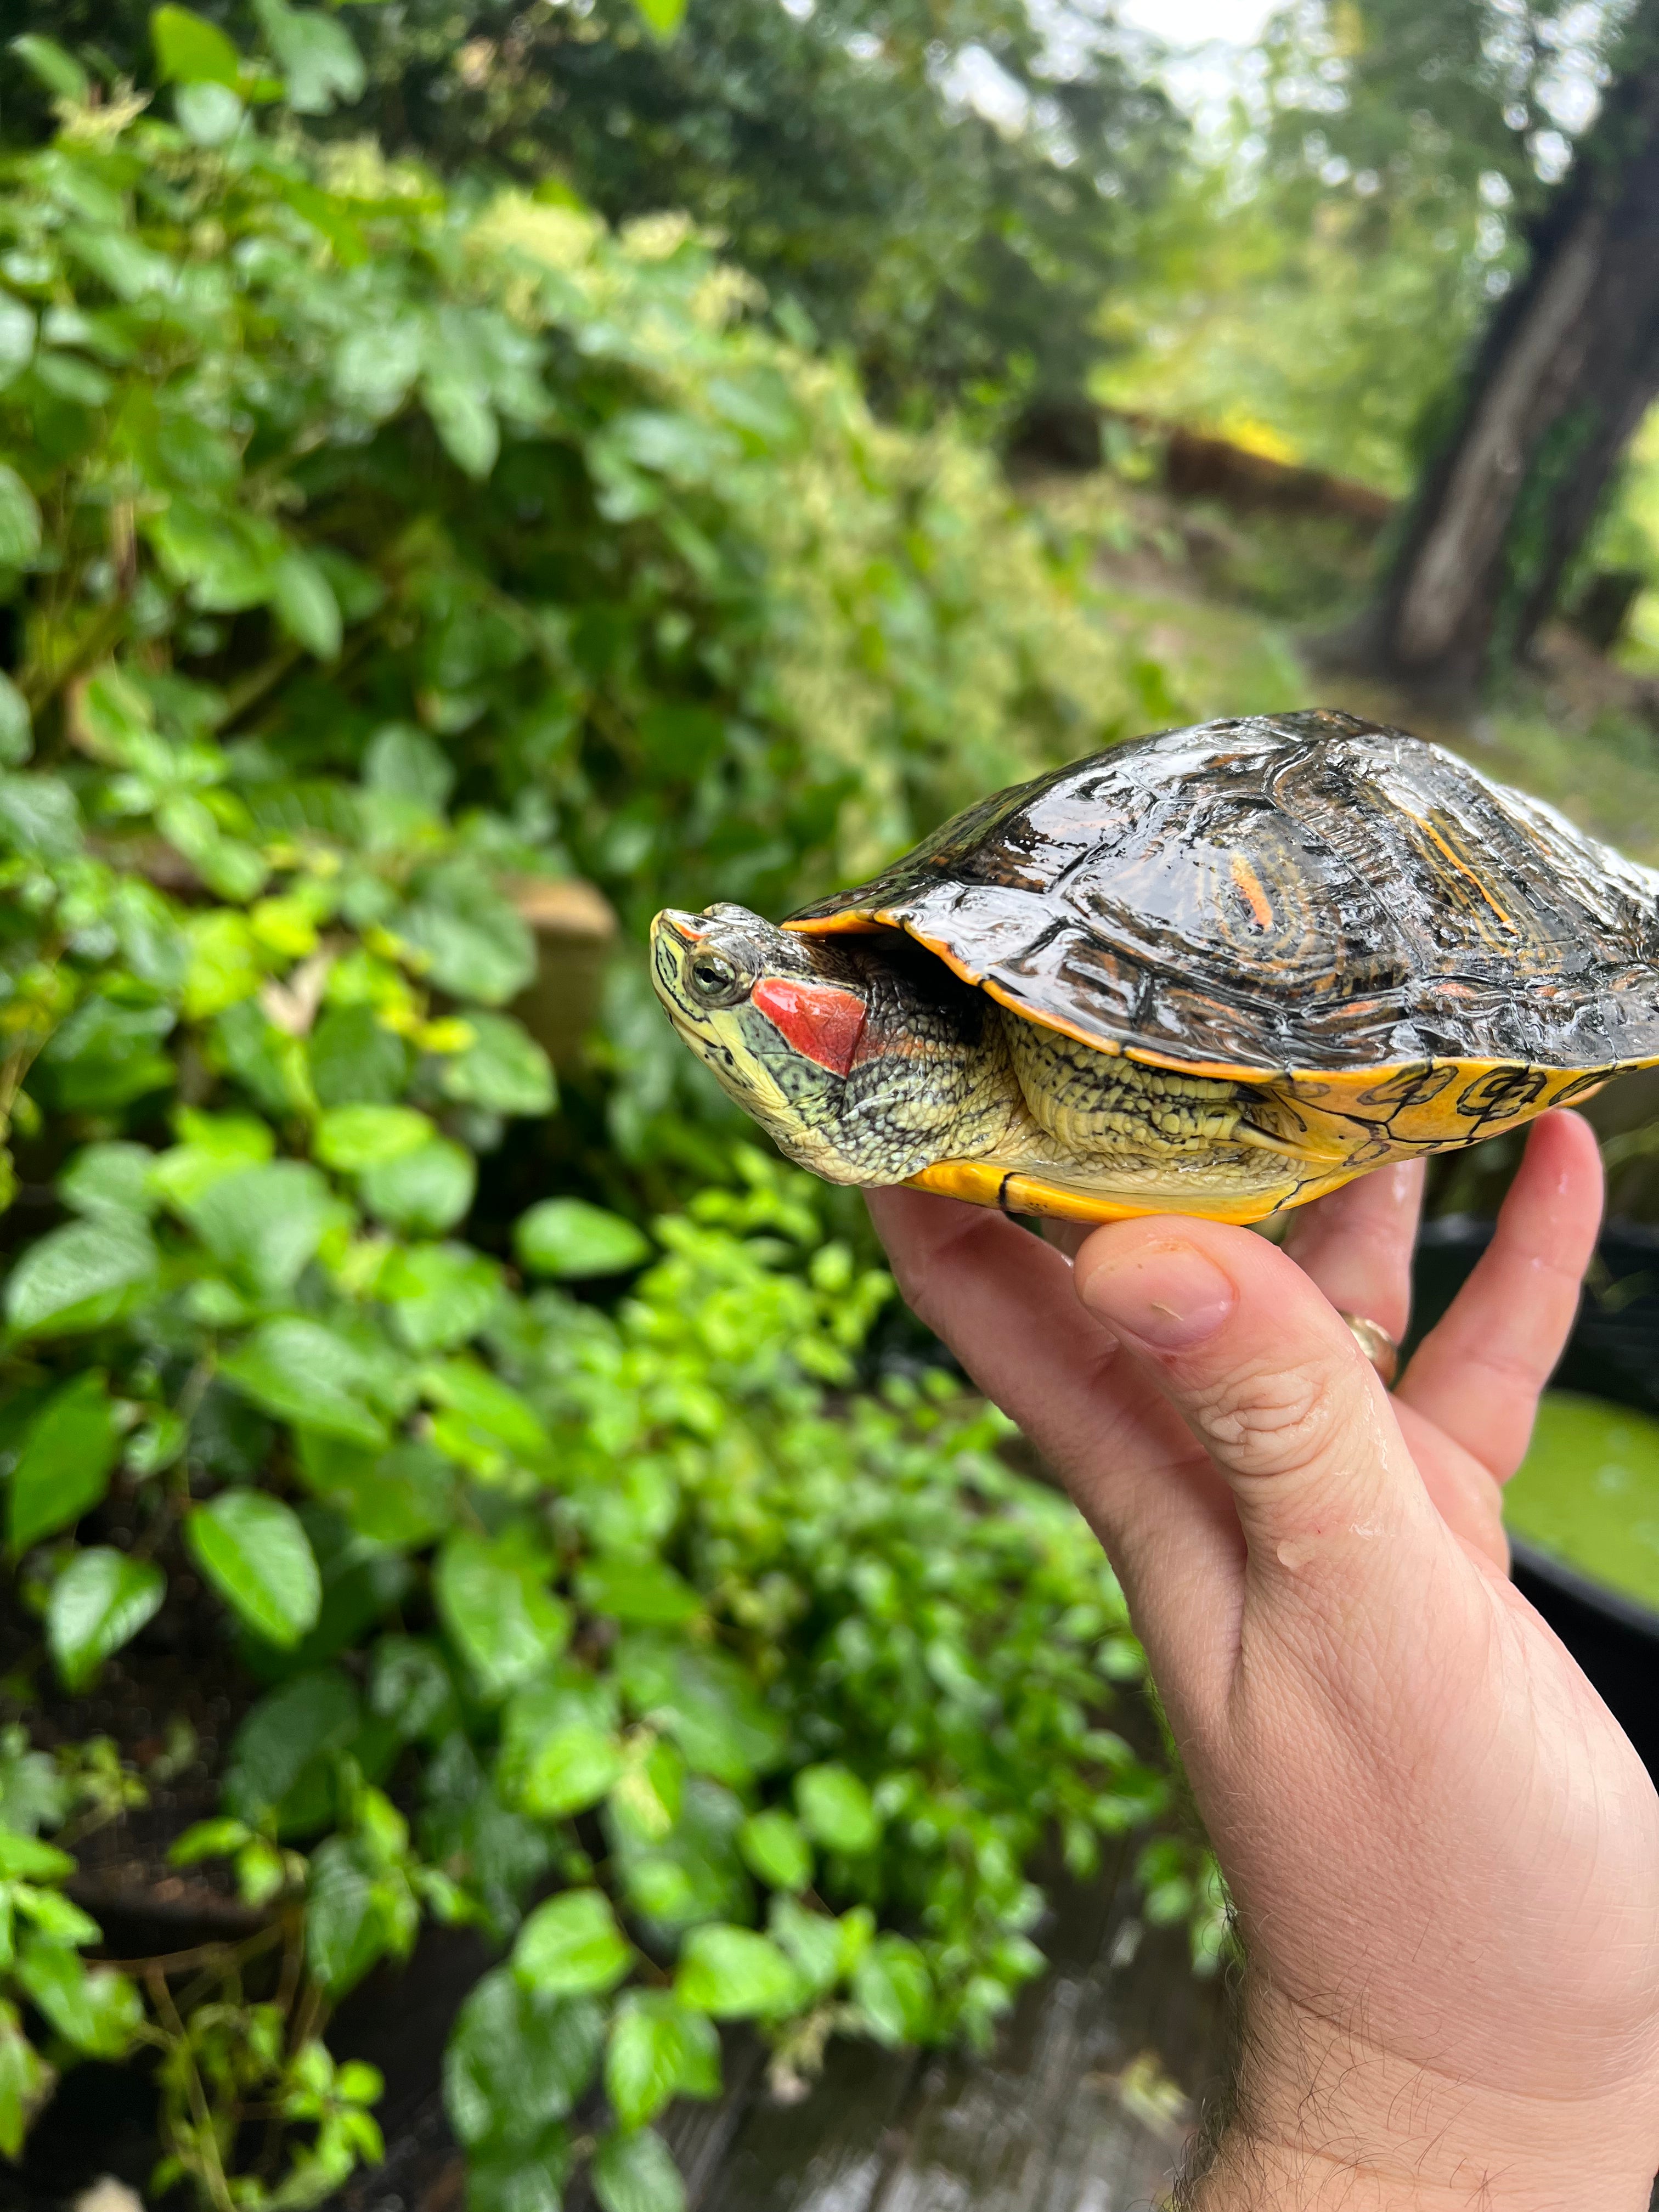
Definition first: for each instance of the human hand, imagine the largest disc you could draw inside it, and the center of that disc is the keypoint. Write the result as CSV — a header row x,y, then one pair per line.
x,y
1443,1852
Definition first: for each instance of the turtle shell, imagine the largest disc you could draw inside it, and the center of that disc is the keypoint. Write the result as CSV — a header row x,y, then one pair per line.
x,y
1309,900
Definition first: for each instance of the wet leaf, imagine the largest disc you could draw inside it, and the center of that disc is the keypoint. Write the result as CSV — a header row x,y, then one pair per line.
x,y
99,1603
254,1550
571,1946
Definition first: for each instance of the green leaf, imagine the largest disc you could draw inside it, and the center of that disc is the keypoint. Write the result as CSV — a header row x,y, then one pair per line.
x,y
815,1943
571,1946
54,1915
493,1601
440,1294
208,114
893,1988
229,558
80,1278
835,1809
402,1497
95,2009
25,1859
637,2174
355,1061
20,520
503,1069
464,421
253,1549
475,944
774,1848
16,729
562,1696
99,1602
658,2050
351,1919
26,2079
17,335
410,1686
215,1146
661,17
644,1593
424,1192
304,1372
64,1462
191,50
208,1839
518,2062
706,1701
530,2180
732,1973
38,815
58,71
403,762
105,1055
306,605
483,1415
225,966
567,1238
291,1730
570,1769
264,1223
353,1138
316,55
112,1177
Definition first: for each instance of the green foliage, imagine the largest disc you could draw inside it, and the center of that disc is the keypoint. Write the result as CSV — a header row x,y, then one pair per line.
x,y
96,2011
959,251
374,549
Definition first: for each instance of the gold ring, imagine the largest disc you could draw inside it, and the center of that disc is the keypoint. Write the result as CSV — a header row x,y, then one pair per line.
x,y
1378,1347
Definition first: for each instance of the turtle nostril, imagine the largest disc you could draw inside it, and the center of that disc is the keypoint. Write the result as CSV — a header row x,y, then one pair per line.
x,y
688,927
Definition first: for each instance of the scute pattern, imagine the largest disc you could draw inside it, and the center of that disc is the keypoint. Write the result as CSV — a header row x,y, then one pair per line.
x,y
1297,894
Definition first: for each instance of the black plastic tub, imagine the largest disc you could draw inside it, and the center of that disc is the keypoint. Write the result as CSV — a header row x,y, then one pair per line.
x,y
1613,1353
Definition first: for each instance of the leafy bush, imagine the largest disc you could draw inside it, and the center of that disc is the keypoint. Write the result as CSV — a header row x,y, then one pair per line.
x,y
366,549
956,257
353,452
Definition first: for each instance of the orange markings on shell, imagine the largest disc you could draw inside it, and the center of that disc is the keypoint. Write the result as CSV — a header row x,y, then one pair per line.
x,y
820,1021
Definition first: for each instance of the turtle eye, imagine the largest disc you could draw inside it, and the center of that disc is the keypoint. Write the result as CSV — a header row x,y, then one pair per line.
x,y
715,980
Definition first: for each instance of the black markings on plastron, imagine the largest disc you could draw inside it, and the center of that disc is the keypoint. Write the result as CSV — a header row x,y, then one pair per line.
x,y
1002,1190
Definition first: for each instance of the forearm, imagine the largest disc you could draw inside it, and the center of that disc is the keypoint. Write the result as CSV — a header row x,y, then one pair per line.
x,y
1319,2121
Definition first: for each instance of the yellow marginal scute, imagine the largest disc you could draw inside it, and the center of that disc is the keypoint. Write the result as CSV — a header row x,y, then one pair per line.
x,y
982,1183
1429,1104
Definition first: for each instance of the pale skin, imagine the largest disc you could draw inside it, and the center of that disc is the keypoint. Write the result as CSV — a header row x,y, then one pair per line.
x,y
1443,1851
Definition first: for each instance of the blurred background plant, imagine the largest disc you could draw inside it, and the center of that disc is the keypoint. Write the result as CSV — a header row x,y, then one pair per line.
x,y
470,476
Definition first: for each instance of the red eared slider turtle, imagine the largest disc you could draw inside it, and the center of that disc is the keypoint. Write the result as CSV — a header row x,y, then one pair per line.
x,y
1218,971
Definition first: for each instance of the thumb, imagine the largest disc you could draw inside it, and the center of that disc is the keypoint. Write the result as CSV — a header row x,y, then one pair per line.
x,y
1267,1377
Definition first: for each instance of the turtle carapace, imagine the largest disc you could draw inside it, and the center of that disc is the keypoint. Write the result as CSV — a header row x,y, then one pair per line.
x,y
1218,971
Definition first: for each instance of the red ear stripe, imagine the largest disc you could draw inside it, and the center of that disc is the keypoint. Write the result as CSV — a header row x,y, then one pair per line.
x,y
820,1021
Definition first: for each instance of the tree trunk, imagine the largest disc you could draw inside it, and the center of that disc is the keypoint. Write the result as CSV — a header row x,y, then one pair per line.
x,y
1566,373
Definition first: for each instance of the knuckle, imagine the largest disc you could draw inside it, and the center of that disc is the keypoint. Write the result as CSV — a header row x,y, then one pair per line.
x,y
1271,1420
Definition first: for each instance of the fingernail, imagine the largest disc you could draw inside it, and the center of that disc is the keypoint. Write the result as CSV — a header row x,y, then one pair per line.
x,y
1169,1296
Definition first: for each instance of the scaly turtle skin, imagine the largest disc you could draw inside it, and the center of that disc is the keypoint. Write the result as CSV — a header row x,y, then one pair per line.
x,y
1220,972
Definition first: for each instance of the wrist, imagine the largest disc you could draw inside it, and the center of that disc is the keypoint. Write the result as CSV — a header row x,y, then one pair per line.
x,y
1252,2175
1322,2119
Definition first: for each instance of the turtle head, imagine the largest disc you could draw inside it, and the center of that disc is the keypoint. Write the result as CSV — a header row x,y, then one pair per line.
x,y
779,1018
